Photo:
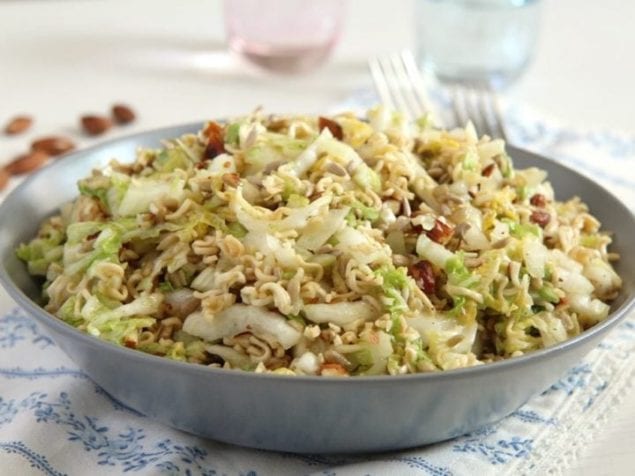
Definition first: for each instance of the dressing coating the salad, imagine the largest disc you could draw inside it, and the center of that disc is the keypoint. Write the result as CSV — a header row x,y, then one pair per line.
x,y
337,246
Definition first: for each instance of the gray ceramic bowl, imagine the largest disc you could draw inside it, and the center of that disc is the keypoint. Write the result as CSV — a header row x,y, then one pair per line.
x,y
301,414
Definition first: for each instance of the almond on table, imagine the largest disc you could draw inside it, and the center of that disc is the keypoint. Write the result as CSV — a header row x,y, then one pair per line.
x,y
53,145
4,178
95,125
18,124
23,164
123,114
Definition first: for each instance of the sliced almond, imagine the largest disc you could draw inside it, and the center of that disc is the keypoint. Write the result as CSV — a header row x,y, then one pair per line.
x,y
95,125
4,178
123,114
18,124
23,164
53,145
331,125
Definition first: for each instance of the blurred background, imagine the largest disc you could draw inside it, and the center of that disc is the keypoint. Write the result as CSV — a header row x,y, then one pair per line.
x,y
170,61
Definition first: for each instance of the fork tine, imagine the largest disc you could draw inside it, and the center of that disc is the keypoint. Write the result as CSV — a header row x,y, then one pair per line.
x,y
478,111
498,116
417,85
407,90
401,86
485,106
459,108
395,87
380,83
491,114
479,104
419,88
472,103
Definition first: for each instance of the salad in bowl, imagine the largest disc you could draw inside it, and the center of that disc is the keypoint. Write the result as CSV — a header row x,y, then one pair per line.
x,y
340,246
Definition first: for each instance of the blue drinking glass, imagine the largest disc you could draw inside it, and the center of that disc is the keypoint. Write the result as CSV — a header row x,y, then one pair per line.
x,y
481,41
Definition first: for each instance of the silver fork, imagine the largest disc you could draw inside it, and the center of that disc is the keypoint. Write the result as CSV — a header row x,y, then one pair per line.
x,y
402,87
479,104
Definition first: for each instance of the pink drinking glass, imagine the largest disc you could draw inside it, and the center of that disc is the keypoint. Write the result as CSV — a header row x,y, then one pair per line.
x,y
284,35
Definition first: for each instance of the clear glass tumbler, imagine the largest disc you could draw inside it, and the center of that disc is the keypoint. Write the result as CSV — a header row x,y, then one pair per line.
x,y
477,40
284,35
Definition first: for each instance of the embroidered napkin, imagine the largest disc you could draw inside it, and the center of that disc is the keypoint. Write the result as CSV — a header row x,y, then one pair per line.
x,y
55,421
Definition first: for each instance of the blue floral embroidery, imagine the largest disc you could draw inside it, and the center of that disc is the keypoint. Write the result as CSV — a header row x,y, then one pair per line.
x,y
577,377
485,443
16,327
482,432
551,140
8,411
36,460
499,452
126,449
614,145
10,408
597,390
39,372
417,462
530,416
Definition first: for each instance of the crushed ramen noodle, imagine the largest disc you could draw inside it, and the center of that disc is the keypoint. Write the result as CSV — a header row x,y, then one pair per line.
x,y
334,246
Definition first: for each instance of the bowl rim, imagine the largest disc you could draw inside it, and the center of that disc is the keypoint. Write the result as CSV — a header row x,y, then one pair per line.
x,y
47,319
